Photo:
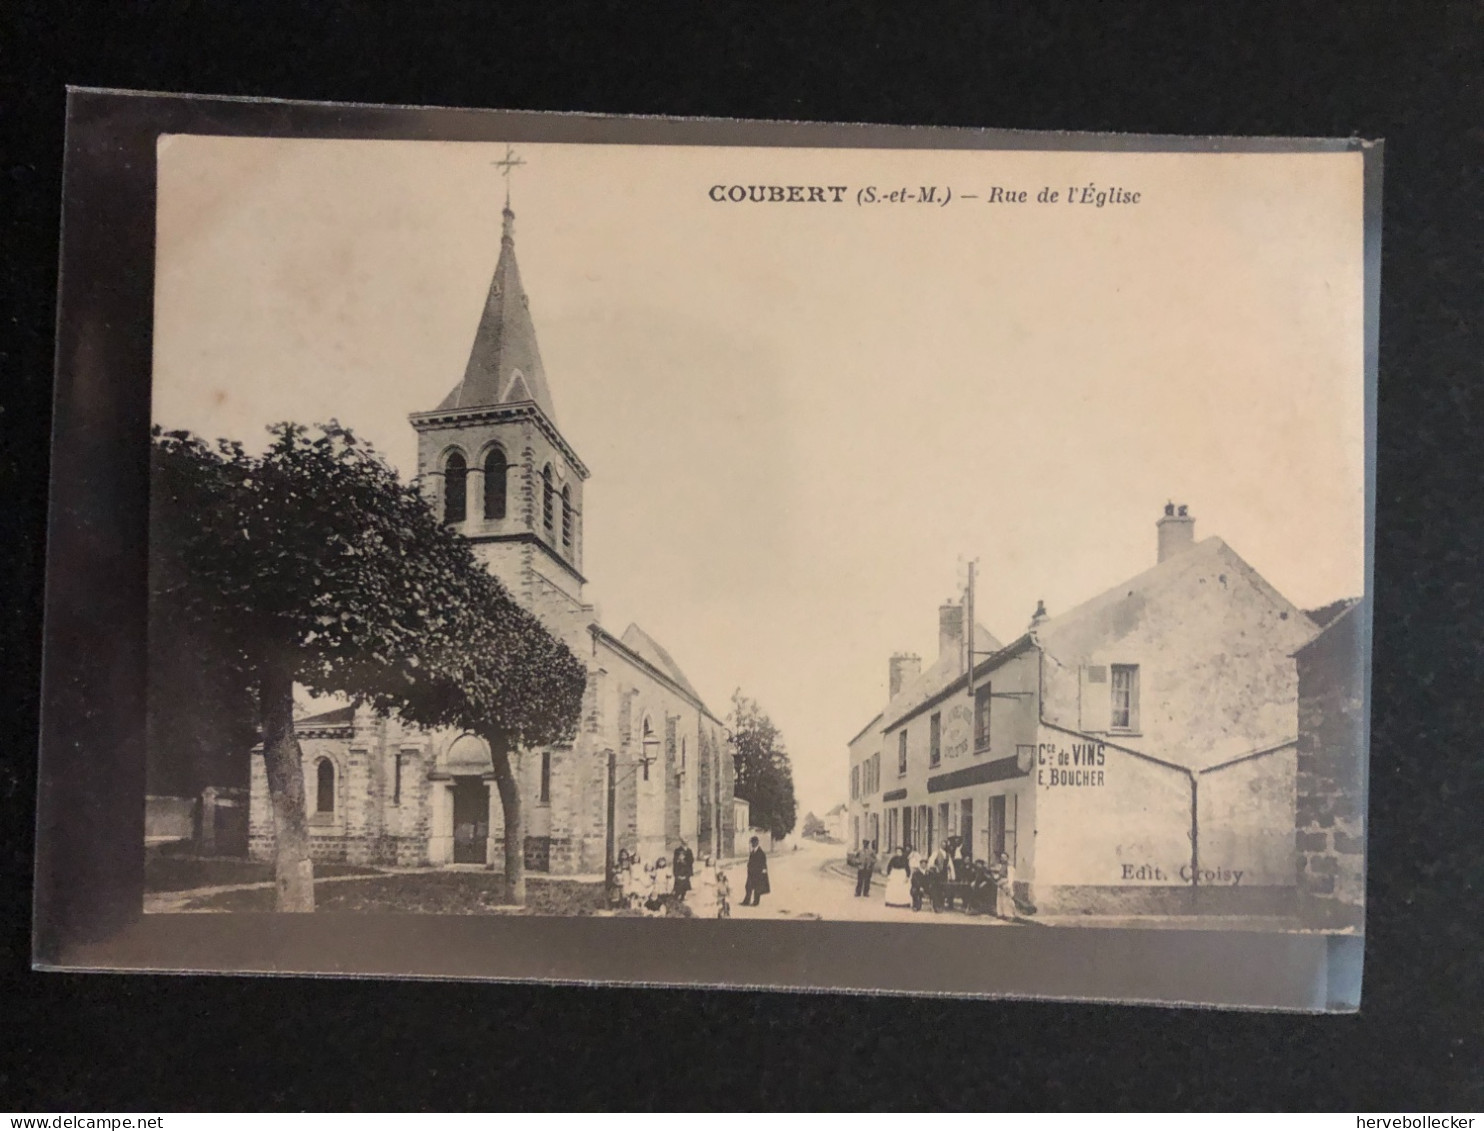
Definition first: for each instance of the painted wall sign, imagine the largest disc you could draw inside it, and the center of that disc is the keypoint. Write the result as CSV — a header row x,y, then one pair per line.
x,y
956,726
1079,765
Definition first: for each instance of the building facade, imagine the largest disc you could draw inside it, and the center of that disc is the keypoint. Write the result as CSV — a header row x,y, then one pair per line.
x,y
494,463
1135,755
1332,744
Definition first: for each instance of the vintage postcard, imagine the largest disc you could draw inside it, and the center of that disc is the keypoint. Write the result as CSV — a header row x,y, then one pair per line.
x,y
960,535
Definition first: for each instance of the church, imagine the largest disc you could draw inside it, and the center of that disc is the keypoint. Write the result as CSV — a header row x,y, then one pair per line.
x,y
495,465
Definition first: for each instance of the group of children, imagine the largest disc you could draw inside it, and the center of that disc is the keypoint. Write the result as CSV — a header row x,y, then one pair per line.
x,y
653,890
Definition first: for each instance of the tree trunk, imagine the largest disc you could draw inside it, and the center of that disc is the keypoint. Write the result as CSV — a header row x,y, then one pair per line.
x,y
293,871
515,832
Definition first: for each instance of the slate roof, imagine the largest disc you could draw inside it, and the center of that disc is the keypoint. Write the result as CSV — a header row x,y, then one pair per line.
x,y
504,364
339,717
945,671
640,642
1084,626
1348,620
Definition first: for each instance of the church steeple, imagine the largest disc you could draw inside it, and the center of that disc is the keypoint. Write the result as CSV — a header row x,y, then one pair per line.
x,y
491,458
505,363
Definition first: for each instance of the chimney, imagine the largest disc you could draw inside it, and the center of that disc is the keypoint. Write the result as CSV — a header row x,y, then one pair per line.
x,y
1176,530
951,631
1038,617
904,666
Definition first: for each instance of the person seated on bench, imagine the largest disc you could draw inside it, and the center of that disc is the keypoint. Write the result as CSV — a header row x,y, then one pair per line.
x,y
982,890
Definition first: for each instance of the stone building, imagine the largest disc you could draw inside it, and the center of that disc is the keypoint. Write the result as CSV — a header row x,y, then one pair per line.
x,y
497,467
1332,748
1137,754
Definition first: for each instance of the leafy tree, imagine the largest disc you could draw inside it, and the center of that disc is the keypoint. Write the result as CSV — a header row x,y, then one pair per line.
x,y
202,721
813,826
314,564
494,670
764,773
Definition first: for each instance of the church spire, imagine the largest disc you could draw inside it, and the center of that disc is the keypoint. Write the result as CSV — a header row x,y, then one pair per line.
x,y
504,364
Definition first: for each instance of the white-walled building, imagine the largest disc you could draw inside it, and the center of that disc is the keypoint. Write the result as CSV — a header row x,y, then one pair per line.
x,y
1133,755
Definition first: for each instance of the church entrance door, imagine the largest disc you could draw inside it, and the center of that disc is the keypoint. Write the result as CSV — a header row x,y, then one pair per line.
x,y
471,820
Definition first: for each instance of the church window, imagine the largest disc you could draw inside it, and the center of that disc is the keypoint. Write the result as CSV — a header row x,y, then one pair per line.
x,y
397,779
545,795
567,519
324,793
455,489
548,500
649,742
494,484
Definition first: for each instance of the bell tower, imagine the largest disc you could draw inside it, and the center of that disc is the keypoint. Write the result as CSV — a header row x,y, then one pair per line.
x,y
495,465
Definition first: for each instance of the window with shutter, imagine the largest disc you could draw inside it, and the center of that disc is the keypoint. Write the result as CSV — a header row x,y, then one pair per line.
x,y
981,716
1125,697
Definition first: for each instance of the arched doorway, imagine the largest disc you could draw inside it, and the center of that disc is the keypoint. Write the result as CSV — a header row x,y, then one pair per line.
x,y
468,766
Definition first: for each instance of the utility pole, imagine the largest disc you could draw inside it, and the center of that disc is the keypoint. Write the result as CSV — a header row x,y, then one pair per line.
x,y
609,879
969,628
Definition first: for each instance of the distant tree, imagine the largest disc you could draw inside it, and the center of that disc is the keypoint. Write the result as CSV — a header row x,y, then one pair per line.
x,y
314,564
764,773
813,826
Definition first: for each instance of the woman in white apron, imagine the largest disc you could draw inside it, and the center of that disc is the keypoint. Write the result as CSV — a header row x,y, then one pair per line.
x,y
899,880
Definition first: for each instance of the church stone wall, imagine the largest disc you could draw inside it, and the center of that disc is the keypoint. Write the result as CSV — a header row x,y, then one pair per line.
x,y
372,822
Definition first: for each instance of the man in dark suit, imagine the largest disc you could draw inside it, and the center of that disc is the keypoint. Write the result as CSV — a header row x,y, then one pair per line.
x,y
684,867
757,876
866,868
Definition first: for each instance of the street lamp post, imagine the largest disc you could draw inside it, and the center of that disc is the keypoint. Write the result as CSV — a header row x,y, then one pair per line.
x,y
610,863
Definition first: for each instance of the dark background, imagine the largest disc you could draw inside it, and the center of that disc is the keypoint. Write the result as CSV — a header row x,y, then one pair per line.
x,y
1408,73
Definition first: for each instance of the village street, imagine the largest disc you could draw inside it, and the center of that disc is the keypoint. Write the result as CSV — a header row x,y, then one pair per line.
x,y
811,881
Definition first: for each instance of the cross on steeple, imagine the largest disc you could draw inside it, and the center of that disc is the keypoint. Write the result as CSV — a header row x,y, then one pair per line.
x,y
508,163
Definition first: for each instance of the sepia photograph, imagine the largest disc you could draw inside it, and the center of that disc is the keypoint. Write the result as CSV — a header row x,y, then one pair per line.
x,y
962,538
892,560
